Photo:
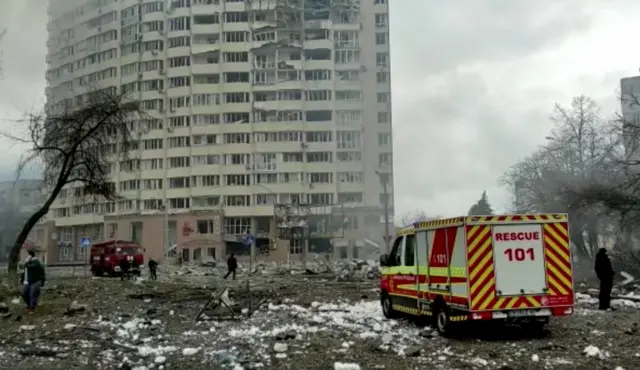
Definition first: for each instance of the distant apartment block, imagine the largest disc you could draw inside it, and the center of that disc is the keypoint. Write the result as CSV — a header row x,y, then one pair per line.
x,y
630,94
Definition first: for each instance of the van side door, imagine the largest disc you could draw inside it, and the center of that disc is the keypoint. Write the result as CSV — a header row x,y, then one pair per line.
x,y
394,264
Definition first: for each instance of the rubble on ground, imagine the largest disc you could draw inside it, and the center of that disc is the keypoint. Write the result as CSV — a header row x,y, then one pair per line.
x,y
315,322
342,270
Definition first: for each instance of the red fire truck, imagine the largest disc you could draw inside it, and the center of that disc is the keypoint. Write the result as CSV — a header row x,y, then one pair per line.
x,y
107,256
510,268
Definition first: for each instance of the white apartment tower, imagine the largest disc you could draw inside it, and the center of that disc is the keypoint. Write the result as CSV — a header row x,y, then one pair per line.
x,y
251,103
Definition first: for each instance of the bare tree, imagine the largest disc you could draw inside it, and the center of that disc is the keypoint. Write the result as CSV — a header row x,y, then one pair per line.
x,y
583,149
414,216
76,143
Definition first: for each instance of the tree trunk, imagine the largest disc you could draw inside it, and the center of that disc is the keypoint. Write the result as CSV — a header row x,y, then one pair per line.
x,y
14,255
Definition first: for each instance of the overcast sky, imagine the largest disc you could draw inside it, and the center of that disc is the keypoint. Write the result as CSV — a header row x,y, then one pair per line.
x,y
473,81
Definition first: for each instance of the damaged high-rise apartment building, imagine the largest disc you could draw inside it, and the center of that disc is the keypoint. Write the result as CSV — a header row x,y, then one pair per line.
x,y
253,105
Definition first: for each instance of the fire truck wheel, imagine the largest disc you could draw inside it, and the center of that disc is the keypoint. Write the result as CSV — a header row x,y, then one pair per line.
x,y
387,307
442,321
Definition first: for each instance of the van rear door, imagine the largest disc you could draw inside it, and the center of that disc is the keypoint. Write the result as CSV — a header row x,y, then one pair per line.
x,y
519,260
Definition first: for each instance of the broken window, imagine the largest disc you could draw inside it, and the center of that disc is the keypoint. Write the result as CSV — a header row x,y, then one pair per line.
x,y
206,19
316,34
236,77
317,54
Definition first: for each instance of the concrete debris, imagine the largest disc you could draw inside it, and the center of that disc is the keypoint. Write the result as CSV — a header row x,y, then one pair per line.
x,y
344,270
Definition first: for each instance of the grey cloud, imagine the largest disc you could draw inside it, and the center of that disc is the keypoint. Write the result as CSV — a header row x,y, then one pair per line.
x,y
24,51
433,36
465,139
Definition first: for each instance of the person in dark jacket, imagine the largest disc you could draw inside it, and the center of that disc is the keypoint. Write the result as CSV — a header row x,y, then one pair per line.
x,y
153,268
605,274
232,266
125,271
34,278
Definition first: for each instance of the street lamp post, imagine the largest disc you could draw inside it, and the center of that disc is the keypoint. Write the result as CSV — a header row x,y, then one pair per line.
x,y
385,191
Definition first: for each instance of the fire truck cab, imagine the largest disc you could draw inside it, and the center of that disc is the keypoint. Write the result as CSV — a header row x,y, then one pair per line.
x,y
106,257
508,268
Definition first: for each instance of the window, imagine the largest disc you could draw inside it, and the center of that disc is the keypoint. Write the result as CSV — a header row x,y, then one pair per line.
x,y
178,42
347,56
205,139
180,81
385,159
394,258
204,226
179,203
179,121
383,98
410,250
184,23
236,97
349,156
344,198
350,177
236,57
382,59
237,180
348,117
350,95
318,136
382,38
383,117
382,77
238,36
176,162
236,17
349,139
178,182
237,200
384,138
179,142
179,62
382,20
319,178
206,99
316,157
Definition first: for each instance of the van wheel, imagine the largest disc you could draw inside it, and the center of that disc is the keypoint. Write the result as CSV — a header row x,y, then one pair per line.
x,y
535,328
442,321
387,307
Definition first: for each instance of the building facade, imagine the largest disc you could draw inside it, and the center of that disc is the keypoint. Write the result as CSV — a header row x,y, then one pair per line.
x,y
630,93
250,103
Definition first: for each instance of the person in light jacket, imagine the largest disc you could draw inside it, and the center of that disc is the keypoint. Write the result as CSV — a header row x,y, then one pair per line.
x,y
34,278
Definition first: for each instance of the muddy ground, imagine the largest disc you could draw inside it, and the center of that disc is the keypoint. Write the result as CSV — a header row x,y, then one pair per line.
x,y
302,322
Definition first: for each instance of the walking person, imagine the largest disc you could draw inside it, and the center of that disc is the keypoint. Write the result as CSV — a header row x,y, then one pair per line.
x,y
605,274
124,269
232,266
34,278
153,269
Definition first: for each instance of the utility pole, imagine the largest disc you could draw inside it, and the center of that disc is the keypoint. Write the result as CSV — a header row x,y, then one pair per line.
x,y
165,231
385,191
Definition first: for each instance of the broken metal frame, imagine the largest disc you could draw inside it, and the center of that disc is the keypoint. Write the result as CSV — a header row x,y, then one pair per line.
x,y
223,301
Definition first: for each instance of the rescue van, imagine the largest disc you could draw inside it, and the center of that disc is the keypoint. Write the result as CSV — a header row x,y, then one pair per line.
x,y
508,268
